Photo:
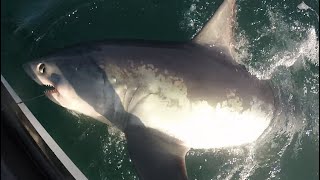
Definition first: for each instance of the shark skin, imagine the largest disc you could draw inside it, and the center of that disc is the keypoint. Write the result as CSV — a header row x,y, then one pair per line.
x,y
165,97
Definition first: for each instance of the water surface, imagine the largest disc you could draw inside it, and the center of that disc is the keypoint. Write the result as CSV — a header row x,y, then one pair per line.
x,y
275,40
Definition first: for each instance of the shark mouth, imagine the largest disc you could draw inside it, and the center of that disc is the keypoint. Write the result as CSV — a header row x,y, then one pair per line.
x,y
51,89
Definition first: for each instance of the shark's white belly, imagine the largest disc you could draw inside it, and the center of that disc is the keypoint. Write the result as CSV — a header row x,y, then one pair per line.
x,y
161,102
200,125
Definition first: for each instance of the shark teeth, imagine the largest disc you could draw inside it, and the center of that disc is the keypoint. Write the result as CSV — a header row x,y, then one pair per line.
x,y
52,90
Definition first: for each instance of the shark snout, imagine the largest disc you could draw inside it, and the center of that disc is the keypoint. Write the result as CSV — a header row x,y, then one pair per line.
x,y
29,69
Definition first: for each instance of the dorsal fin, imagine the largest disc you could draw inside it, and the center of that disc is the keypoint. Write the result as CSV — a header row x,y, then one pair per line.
x,y
218,31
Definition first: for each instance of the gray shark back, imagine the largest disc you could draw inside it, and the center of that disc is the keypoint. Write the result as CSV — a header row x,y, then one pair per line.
x,y
207,72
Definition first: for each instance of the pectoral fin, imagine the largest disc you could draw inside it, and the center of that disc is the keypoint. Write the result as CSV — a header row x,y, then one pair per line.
x,y
155,155
218,31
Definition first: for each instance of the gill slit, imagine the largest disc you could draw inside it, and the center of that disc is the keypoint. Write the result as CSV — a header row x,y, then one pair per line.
x,y
133,94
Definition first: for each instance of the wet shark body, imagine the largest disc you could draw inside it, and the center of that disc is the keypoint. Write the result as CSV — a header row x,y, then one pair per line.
x,y
165,97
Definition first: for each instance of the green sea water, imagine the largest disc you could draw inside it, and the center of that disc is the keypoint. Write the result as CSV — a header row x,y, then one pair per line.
x,y
275,40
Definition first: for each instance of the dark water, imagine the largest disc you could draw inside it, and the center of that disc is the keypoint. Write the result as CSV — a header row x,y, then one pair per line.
x,y
275,39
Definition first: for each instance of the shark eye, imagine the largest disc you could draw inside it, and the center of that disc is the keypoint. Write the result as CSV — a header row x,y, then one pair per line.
x,y
41,68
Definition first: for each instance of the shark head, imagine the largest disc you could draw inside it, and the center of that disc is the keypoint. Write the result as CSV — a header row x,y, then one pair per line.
x,y
78,85
48,74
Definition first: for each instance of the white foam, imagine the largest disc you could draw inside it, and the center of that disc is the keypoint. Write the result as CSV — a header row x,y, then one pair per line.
x,y
288,53
192,19
308,50
303,6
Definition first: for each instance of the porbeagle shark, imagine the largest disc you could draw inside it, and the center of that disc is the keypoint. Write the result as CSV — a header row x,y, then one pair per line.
x,y
165,97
